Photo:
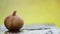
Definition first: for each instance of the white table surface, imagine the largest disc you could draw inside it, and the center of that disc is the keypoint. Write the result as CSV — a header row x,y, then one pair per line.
x,y
34,29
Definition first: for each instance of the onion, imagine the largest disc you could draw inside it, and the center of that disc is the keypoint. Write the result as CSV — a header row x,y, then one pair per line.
x,y
13,22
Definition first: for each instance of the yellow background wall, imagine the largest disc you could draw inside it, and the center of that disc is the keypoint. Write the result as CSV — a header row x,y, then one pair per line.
x,y
32,11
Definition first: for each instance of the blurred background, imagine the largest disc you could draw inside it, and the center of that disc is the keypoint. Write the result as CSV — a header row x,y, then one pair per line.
x,y
32,11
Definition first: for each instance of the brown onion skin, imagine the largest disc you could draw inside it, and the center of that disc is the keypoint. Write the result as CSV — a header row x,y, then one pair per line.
x,y
13,22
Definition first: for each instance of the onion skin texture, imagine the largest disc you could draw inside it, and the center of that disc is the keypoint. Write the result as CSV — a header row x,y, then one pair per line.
x,y
13,22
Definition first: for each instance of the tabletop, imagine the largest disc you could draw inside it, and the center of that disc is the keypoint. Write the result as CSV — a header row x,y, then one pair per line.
x,y
33,29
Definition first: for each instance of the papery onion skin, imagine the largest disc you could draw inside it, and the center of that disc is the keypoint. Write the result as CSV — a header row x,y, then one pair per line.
x,y
13,22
